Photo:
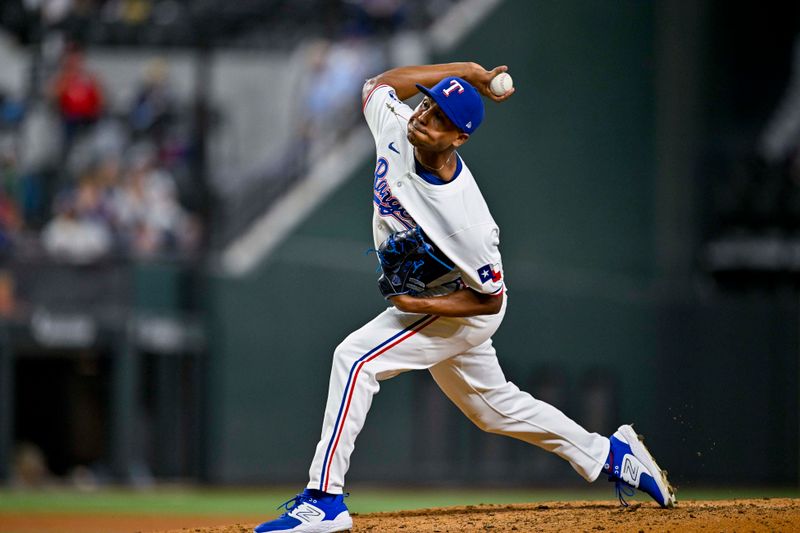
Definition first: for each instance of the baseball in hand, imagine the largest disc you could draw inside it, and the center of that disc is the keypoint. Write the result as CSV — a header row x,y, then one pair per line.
x,y
501,84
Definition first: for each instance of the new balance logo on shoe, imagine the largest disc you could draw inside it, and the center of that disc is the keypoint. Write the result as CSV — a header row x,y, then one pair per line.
x,y
631,470
307,513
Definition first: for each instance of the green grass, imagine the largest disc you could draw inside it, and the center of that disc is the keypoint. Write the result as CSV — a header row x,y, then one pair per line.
x,y
262,502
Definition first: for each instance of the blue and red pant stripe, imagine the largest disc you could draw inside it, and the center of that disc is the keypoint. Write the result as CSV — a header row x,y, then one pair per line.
x,y
349,387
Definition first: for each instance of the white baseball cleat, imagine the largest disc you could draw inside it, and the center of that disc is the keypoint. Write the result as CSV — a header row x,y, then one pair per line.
x,y
630,463
311,512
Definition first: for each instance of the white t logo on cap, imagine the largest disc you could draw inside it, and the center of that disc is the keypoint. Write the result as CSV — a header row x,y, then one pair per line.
x,y
453,86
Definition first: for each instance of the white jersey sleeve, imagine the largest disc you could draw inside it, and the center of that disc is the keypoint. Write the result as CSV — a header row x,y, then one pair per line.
x,y
382,107
484,274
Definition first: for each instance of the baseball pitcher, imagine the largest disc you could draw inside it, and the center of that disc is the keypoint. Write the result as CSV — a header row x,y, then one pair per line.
x,y
442,274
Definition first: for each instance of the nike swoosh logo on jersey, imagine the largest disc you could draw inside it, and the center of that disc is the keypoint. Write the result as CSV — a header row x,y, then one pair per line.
x,y
393,149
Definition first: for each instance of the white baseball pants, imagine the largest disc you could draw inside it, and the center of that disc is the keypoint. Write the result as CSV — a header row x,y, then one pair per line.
x,y
459,354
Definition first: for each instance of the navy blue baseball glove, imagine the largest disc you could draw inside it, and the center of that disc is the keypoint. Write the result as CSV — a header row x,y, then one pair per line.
x,y
409,261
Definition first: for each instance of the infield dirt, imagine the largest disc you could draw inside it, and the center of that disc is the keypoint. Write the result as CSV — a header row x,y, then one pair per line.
x,y
778,514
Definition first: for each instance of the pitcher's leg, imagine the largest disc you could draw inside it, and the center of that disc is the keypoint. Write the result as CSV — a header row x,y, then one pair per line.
x,y
392,343
475,382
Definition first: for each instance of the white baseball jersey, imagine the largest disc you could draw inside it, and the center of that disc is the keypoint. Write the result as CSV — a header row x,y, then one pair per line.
x,y
458,352
454,214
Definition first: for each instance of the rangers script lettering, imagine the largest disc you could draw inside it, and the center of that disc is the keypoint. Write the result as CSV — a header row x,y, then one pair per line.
x,y
386,204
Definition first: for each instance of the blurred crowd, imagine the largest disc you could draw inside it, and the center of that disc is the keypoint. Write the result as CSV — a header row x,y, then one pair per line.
x,y
110,186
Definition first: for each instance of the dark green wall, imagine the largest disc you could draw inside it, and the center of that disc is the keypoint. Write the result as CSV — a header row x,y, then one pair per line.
x,y
567,163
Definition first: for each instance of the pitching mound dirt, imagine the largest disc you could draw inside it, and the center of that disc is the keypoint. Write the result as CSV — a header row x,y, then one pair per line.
x,y
779,514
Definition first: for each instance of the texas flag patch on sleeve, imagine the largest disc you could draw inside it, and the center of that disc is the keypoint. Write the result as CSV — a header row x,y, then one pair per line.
x,y
490,273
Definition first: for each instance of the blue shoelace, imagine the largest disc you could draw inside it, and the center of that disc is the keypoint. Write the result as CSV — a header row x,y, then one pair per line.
x,y
622,490
295,502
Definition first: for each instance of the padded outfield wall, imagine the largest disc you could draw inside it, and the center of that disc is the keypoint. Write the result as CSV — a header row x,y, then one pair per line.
x,y
570,167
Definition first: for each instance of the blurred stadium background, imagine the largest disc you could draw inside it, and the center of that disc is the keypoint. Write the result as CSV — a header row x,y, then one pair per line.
x,y
185,203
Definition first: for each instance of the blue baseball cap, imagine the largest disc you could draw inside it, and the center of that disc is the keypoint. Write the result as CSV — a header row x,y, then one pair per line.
x,y
459,100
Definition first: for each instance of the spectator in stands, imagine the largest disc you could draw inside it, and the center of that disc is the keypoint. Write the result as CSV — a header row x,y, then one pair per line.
x,y
73,235
147,212
93,195
78,95
12,111
82,230
16,190
339,67
153,107
11,221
